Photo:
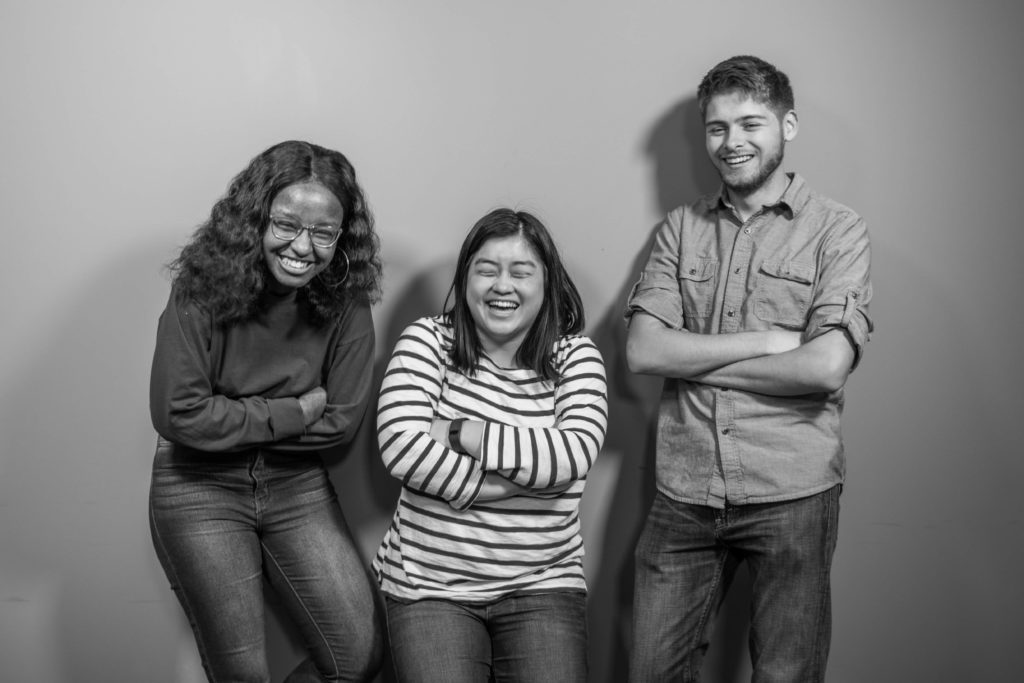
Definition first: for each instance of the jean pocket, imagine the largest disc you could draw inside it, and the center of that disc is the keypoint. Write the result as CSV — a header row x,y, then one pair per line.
x,y
783,292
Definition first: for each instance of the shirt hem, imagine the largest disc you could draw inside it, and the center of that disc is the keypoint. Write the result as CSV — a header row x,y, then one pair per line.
x,y
750,500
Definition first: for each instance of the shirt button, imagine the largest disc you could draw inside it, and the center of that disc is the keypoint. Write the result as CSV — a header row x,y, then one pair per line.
x,y
746,230
731,313
725,431
693,271
737,271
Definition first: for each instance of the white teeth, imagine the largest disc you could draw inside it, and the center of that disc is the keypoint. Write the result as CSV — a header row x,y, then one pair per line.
x,y
294,264
733,161
503,305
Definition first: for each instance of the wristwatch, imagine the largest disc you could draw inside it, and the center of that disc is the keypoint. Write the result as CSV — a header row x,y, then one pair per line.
x,y
454,432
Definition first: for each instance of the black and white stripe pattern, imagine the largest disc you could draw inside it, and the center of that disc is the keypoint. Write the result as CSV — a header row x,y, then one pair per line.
x,y
539,434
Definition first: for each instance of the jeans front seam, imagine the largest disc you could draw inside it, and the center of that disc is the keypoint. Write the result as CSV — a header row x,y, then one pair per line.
x,y
302,603
702,622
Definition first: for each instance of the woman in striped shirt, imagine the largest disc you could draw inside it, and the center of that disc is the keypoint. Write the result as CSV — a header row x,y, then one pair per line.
x,y
491,416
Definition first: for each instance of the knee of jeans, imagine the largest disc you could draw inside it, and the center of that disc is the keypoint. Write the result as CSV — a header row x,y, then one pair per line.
x,y
369,643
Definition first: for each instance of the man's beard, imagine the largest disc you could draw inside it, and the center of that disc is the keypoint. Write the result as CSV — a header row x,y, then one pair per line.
x,y
748,187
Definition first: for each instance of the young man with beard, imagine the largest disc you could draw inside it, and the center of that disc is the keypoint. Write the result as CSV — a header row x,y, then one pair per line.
x,y
753,305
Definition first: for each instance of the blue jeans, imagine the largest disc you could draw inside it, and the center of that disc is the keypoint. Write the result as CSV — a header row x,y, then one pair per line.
x,y
685,560
221,522
527,638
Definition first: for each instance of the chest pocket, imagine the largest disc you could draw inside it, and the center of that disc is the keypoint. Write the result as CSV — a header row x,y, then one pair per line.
x,y
783,293
697,286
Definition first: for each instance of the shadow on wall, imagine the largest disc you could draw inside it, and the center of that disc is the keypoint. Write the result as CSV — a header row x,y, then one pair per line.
x,y
681,172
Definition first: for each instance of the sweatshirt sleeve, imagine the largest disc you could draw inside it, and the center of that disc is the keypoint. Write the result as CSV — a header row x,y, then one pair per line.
x,y
182,403
348,379
409,396
540,458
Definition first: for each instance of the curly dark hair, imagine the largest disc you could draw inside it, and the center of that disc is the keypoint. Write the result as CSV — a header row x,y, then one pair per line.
x,y
751,75
222,267
561,312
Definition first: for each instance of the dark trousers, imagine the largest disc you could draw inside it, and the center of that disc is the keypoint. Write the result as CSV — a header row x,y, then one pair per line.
x,y
685,560
221,523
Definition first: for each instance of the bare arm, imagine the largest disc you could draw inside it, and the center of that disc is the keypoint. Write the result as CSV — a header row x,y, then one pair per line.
x,y
653,348
820,365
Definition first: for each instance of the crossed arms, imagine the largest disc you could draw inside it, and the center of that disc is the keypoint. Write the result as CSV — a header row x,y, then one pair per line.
x,y
772,362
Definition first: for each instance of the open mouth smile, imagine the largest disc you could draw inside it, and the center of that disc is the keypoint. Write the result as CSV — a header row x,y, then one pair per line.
x,y
502,305
737,160
295,266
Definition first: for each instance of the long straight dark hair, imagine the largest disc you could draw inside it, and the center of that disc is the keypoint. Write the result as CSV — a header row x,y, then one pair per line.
x,y
561,312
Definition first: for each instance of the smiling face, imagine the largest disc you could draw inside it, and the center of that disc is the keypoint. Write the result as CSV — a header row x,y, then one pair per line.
x,y
504,293
293,264
746,140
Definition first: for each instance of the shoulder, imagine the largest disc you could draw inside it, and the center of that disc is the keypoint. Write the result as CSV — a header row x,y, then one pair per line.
x,y
700,212
187,310
812,203
574,349
431,331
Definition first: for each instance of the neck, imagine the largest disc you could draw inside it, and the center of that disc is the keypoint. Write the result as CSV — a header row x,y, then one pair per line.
x,y
749,202
502,355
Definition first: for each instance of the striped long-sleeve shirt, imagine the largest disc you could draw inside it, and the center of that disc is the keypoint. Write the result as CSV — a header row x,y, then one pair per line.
x,y
538,433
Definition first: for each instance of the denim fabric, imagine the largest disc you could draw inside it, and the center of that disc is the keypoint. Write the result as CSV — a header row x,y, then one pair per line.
x,y
221,523
685,560
527,638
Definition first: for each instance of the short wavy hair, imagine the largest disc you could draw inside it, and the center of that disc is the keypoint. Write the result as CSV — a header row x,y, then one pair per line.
x,y
561,311
751,75
222,267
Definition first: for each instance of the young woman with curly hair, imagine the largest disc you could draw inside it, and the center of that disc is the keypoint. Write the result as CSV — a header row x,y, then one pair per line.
x,y
263,358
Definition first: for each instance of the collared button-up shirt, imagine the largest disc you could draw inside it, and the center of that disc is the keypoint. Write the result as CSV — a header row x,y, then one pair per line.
x,y
799,264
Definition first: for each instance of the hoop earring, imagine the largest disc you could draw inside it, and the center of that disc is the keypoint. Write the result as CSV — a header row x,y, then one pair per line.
x,y
339,283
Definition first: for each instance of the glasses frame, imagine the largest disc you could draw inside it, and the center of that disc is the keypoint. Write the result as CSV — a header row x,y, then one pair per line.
x,y
312,229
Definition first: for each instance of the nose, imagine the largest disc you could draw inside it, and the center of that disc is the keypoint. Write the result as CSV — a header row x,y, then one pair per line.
x,y
733,139
502,283
302,244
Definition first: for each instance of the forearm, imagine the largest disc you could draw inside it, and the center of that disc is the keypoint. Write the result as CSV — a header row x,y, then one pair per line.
x,y
426,466
219,423
653,348
546,457
497,487
820,365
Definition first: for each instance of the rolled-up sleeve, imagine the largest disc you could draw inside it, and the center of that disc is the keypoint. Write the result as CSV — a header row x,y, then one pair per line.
x,y
657,291
843,291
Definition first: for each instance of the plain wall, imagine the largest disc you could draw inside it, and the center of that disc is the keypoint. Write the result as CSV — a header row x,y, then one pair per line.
x,y
122,122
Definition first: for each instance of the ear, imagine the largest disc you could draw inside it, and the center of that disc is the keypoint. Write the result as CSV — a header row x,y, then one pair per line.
x,y
790,125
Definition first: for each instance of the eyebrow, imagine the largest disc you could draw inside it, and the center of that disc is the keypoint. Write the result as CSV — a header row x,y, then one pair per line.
x,y
492,262
291,216
742,119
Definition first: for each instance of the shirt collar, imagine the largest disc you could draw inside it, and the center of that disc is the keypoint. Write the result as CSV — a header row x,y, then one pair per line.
x,y
791,202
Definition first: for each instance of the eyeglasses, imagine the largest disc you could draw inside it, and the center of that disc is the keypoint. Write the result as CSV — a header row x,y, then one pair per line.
x,y
288,230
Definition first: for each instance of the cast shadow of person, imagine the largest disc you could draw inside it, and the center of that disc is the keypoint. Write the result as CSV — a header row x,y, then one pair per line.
x,y
680,173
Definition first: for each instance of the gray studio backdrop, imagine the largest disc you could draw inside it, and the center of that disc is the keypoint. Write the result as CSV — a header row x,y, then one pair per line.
x,y
122,122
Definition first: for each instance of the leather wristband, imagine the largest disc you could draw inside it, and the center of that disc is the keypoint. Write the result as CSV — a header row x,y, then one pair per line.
x,y
454,432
